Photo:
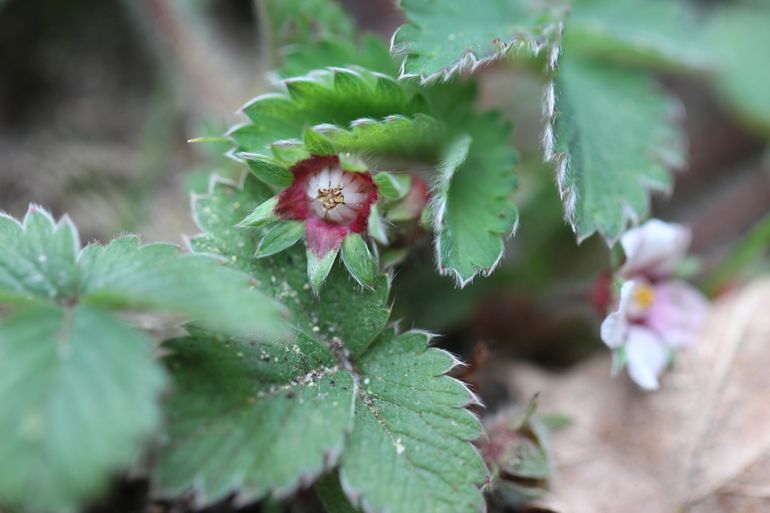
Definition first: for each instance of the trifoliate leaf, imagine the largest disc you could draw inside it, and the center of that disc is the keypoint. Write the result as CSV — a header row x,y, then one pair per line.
x,y
409,449
445,37
259,419
740,38
78,393
156,277
358,260
612,139
333,96
651,32
472,207
279,237
38,257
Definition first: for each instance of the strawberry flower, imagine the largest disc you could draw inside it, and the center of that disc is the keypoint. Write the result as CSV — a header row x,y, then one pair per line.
x,y
656,313
330,207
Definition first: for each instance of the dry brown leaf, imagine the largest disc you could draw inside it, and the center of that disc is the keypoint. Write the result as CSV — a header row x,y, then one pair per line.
x,y
701,444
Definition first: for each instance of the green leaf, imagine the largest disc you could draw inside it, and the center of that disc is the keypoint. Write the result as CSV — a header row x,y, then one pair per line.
x,y
78,396
263,214
739,37
335,96
409,449
281,236
472,207
358,260
253,419
446,37
418,136
661,33
38,257
127,275
612,138
420,424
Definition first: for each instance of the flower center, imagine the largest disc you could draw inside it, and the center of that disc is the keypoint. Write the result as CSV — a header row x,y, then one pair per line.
x,y
337,196
644,296
330,197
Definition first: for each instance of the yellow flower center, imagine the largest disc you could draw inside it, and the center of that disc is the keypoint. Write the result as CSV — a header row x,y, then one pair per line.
x,y
331,197
644,296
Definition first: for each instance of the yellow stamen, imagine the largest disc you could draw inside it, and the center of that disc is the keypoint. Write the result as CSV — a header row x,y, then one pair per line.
x,y
331,197
644,295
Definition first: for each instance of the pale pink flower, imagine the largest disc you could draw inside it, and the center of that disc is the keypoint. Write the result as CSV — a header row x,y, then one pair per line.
x,y
656,313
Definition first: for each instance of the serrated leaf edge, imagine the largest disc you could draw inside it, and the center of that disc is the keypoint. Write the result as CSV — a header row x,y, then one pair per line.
x,y
469,62
561,162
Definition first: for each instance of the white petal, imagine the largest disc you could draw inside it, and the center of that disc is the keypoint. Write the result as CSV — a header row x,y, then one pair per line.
x,y
615,326
654,248
646,357
323,178
354,198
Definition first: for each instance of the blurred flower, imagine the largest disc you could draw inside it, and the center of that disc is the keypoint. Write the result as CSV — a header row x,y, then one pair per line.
x,y
656,313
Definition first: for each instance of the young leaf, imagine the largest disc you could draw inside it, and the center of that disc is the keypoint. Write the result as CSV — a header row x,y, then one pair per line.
x,y
472,208
38,257
661,33
612,139
445,37
262,418
417,136
409,449
333,96
78,393
156,277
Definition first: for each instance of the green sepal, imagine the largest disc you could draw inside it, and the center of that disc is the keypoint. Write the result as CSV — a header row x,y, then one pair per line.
x,y
262,215
358,260
377,229
267,171
318,267
281,236
392,187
